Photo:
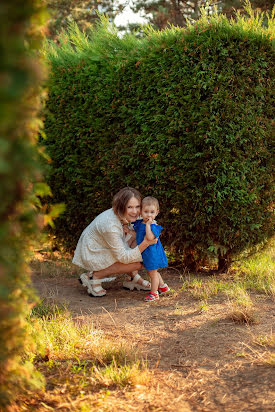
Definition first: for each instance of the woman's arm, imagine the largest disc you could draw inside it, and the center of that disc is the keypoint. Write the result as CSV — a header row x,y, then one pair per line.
x,y
145,243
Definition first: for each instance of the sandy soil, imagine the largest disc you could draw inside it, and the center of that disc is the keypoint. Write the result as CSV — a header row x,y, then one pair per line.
x,y
201,361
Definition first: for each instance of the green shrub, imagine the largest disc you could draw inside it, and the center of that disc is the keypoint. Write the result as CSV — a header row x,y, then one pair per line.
x,y
21,75
183,114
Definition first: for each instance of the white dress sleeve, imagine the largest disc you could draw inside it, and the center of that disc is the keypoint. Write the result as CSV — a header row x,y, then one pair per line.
x,y
116,244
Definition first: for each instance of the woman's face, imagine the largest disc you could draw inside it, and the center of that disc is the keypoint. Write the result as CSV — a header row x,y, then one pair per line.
x,y
132,211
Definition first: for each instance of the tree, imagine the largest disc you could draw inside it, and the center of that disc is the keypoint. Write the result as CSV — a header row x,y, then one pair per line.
x,y
84,12
160,13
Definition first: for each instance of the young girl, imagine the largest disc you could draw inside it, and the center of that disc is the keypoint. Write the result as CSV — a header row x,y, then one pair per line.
x,y
103,248
154,257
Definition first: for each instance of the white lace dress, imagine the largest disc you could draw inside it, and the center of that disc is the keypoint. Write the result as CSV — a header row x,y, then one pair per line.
x,y
103,243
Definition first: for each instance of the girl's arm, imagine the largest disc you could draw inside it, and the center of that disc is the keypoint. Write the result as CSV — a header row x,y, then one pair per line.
x,y
149,234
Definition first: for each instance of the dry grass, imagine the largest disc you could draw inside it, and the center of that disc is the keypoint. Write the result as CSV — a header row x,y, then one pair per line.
x,y
260,357
241,308
51,264
79,363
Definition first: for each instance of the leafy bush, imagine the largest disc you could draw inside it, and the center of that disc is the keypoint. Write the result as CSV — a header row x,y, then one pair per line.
x,y
21,75
183,114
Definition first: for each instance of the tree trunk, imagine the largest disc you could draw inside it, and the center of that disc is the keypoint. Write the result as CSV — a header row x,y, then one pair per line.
x,y
224,262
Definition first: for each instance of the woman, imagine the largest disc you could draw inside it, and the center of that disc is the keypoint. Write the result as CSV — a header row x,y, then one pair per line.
x,y
103,247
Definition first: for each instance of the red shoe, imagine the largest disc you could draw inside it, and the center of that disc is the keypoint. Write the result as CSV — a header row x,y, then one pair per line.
x,y
163,289
152,296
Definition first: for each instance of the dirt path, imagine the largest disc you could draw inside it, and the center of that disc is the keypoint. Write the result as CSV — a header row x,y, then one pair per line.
x,y
201,361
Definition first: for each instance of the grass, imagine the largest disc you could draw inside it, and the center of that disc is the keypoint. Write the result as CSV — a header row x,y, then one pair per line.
x,y
258,273
263,354
266,340
253,274
52,263
66,338
204,289
77,359
241,309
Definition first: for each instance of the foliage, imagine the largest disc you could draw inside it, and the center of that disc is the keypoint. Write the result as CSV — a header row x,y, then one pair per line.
x,y
162,13
21,74
181,114
84,12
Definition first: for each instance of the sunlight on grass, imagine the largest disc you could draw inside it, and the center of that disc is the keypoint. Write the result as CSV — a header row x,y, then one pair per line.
x,y
261,357
122,375
79,353
203,307
256,273
203,289
49,264
240,305
66,338
265,340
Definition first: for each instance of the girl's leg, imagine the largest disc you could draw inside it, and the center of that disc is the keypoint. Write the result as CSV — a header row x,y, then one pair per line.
x,y
154,276
161,281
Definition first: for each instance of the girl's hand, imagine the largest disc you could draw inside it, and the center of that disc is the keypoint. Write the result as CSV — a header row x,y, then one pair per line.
x,y
149,221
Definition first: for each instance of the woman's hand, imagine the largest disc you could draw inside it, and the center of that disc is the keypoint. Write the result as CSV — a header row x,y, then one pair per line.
x,y
152,242
146,242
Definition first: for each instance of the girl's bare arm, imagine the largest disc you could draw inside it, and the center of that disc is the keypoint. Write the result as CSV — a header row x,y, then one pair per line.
x,y
149,234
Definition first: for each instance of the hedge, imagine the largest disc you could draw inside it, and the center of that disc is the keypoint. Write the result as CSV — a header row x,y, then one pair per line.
x,y
182,114
21,75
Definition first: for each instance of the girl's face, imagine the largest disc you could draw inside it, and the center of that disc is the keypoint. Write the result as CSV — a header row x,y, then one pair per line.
x,y
149,212
132,211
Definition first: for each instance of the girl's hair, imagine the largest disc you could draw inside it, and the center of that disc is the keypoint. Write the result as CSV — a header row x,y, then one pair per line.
x,y
149,200
121,199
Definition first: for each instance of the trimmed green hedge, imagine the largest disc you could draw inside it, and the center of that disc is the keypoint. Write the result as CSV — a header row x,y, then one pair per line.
x,y
21,76
183,114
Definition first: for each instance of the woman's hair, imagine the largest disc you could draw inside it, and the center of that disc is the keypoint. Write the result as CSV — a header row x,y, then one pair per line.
x,y
121,199
149,200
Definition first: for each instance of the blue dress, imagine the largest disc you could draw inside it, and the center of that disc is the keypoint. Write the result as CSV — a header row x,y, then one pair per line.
x,y
153,256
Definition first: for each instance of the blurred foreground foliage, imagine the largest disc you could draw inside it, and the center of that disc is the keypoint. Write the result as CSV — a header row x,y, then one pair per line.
x,y
21,71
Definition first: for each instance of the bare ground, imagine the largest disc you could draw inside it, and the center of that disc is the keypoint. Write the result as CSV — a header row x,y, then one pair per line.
x,y
200,361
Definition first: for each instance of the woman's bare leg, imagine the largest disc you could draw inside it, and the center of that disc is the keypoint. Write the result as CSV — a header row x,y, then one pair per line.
x,y
116,269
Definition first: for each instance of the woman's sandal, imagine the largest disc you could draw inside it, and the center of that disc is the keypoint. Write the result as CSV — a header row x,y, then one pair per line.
x,y
94,286
145,285
85,279
95,289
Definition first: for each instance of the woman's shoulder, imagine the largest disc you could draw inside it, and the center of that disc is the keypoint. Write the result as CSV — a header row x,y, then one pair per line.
x,y
108,220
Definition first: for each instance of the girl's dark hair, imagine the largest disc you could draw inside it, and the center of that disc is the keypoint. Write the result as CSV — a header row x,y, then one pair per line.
x,y
121,199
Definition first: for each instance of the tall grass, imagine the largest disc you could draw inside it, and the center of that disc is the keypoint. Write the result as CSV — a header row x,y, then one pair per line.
x,y
61,338
258,272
